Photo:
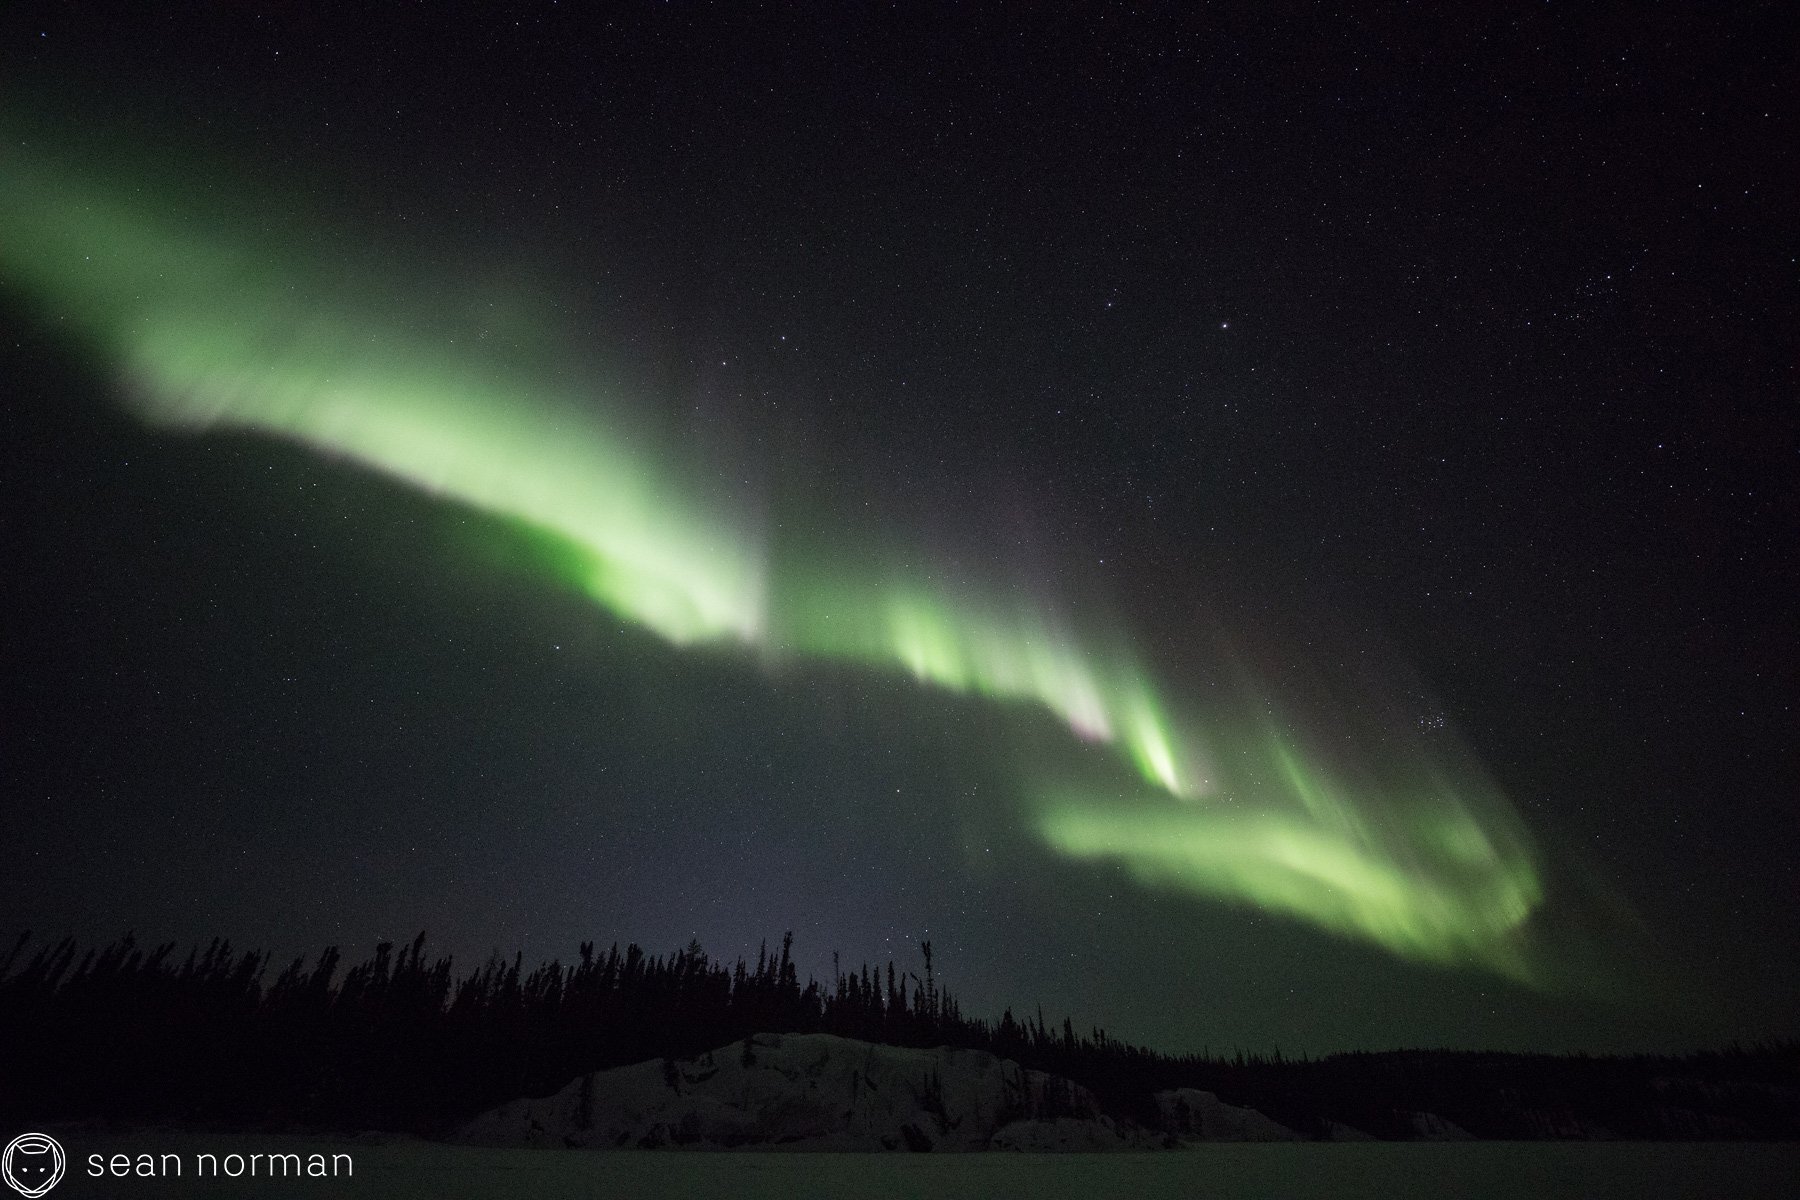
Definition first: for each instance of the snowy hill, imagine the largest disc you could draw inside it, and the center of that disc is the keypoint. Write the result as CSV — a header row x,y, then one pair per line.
x,y
820,1092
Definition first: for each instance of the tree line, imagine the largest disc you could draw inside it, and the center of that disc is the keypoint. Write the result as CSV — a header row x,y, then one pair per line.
x,y
400,1040
404,1041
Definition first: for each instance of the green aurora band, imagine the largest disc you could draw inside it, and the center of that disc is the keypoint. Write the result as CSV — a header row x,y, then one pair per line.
x,y
222,320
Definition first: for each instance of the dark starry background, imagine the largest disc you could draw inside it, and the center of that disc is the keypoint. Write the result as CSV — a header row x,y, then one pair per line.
x,y
1464,339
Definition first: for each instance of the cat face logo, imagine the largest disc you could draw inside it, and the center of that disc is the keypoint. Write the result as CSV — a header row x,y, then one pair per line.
x,y
32,1164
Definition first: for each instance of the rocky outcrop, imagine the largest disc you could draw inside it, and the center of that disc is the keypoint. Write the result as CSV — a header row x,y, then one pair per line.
x,y
1337,1131
1189,1114
1067,1134
1429,1127
812,1092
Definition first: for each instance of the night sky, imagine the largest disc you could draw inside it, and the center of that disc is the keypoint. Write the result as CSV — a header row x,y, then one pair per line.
x,y
1259,527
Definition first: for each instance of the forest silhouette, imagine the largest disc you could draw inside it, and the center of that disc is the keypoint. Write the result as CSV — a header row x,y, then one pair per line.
x,y
401,1041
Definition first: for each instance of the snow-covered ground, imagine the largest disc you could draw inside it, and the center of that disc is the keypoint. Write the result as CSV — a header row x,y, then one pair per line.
x,y
407,1169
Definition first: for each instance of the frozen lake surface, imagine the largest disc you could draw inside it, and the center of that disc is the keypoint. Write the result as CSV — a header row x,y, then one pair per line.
x,y
401,1169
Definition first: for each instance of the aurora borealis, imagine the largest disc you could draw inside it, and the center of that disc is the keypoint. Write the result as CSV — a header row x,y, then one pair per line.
x,y
895,482
202,340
